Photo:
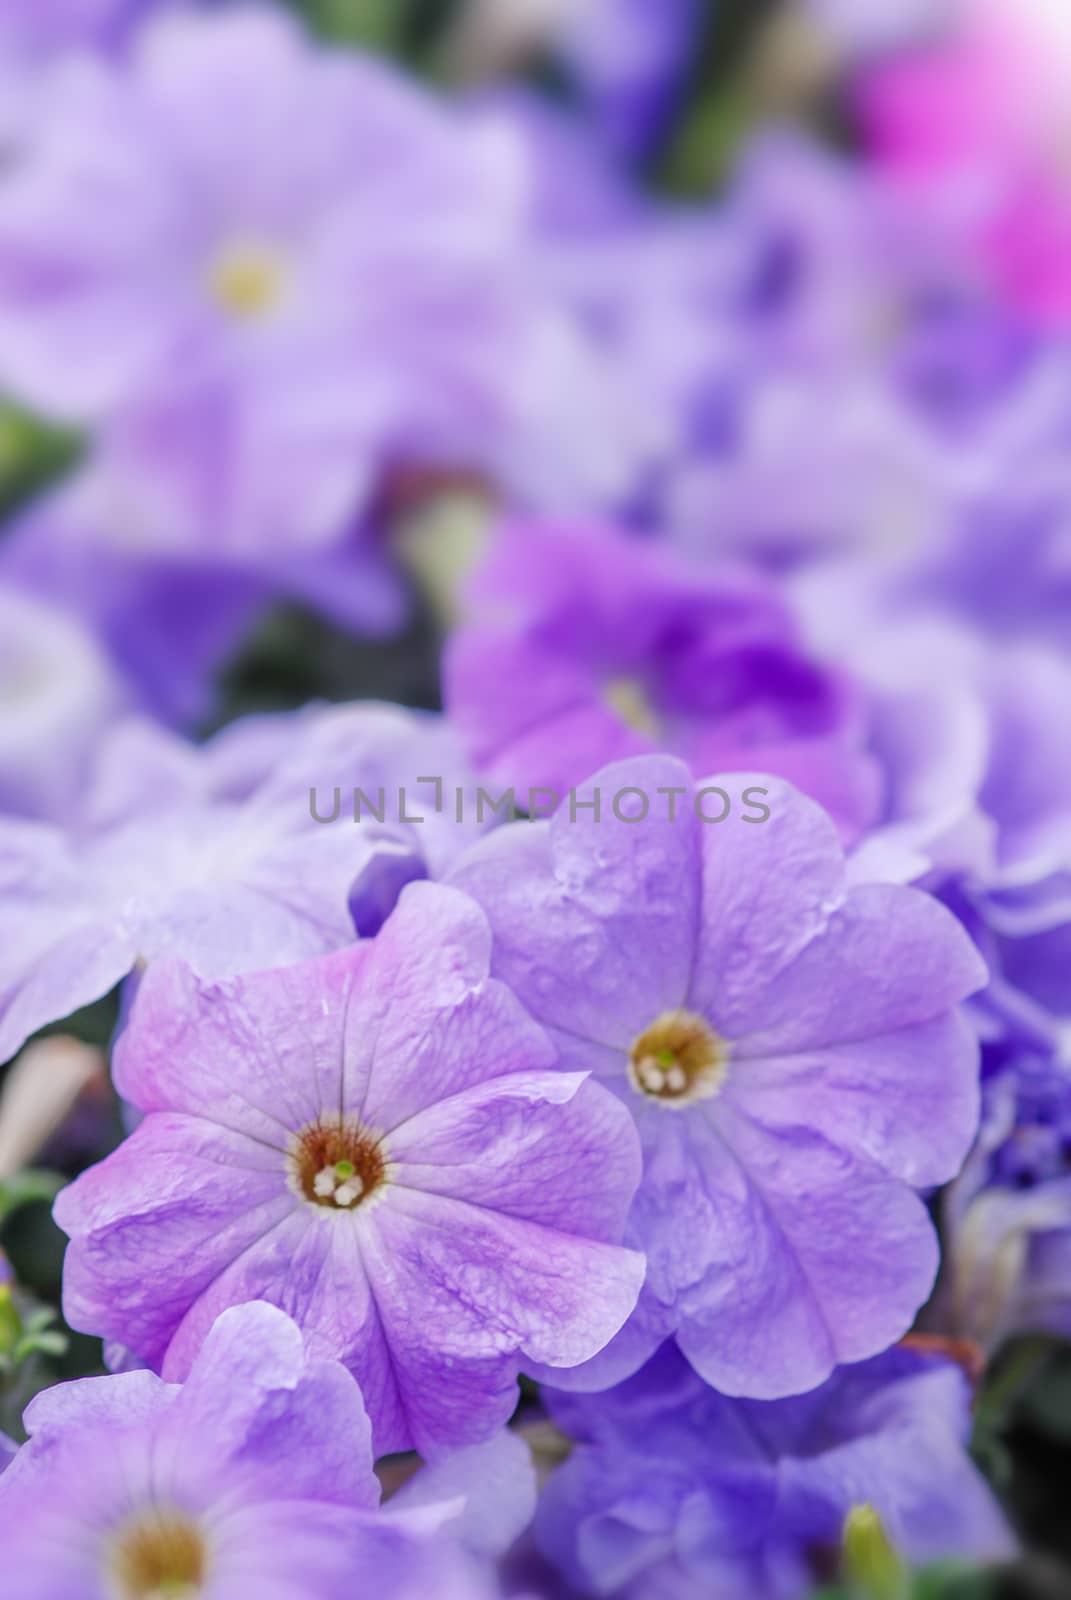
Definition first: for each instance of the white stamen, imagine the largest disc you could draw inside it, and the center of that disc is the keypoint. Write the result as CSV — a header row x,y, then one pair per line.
x,y
348,1192
325,1183
676,1079
651,1075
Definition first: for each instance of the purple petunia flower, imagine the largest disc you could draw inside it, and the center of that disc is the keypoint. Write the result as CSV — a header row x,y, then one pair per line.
x,y
980,805
169,615
381,1143
215,855
674,1490
586,647
788,1045
631,61
1007,1217
254,1477
308,272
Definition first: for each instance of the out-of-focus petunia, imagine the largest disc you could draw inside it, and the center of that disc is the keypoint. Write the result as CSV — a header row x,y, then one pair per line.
x,y
974,123
379,1142
673,1489
269,272
255,851
632,62
584,647
789,1046
172,608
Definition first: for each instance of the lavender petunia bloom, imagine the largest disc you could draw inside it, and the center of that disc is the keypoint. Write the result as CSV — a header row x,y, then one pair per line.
x,y
169,612
269,270
1004,562
381,1143
586,647
175,851
254,1477
984,816
765,338
789,1046
57,693
631,60
674,1490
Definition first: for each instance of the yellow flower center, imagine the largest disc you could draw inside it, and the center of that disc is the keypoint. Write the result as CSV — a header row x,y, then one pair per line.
x,y
248,279
628,699
677,1060
160,1556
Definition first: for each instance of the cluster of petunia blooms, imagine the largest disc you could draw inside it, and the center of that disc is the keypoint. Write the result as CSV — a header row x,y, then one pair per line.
x,y
667,1112
646,1111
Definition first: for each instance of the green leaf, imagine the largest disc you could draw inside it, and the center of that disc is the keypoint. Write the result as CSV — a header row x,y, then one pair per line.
x,y
372,24
32,1186
32,454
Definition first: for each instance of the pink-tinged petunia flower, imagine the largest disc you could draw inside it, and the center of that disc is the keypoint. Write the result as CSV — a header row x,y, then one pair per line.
x,y
254,1477
975,123
379,1142
585,646
788,1045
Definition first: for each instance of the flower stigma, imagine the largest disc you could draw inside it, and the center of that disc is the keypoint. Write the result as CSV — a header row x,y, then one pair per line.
x,y
338,1164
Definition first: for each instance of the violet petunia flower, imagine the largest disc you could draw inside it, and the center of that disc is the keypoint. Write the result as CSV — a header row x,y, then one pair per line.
x,y
232,856
788,1044
379,1142
631,62
172,613
672,1489
1007,1217
268,271
255,1476
585,646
